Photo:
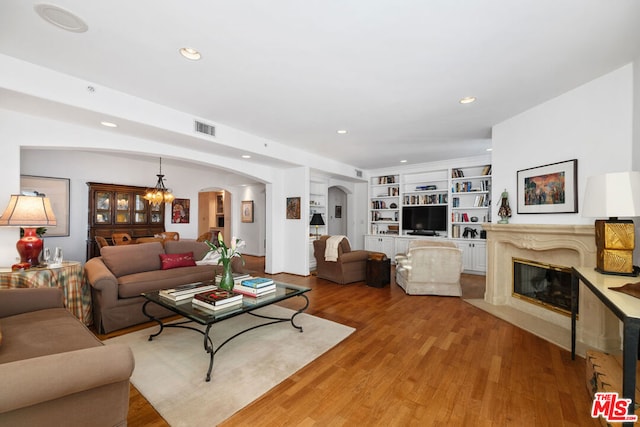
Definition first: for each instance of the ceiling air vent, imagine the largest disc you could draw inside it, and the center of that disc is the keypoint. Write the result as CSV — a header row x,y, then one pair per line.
x,y
205,128
358,173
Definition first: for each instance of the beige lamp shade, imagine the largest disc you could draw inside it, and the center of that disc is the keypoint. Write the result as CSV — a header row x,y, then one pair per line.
x,y
612,195
28,211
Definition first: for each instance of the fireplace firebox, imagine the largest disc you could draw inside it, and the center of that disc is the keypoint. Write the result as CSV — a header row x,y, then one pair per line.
x,y
543,284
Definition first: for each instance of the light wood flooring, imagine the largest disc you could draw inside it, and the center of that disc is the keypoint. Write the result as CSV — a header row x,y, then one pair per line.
x,y
414,360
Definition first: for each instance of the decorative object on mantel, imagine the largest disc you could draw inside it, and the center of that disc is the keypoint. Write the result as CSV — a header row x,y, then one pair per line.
x,y
159,194
316,220
226,255
632,289
614,195
29,212
548,189
505,211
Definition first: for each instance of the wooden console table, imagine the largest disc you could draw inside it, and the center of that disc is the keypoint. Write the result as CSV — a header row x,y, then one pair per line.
x,y
625,307
70,278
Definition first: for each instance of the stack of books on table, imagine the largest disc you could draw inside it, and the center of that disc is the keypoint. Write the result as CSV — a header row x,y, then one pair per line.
x,y
237,277
255,286
187,291
217,299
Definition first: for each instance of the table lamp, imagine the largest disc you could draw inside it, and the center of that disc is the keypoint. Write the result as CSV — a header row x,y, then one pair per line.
x,y
28,212
316,220
614,195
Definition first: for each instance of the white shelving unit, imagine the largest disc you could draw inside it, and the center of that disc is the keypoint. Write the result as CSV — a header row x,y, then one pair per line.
x,y
384,204
317,204
465,191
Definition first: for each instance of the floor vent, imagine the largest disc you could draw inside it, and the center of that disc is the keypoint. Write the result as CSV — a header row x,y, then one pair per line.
x,y
205,128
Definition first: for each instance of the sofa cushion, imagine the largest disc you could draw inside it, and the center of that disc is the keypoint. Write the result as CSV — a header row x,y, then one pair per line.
x,y
199,249
169,261
133,285
129,259
43,332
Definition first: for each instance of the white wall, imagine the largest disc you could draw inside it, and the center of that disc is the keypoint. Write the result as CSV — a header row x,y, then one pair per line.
x,y
592,123
253,233
82,167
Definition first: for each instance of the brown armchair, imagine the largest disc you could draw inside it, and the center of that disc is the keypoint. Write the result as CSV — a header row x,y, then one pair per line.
x,y
351,266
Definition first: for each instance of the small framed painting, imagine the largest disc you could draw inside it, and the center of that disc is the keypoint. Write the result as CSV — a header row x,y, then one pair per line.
x,y
246,211
293,207
57,190
550,188
180,211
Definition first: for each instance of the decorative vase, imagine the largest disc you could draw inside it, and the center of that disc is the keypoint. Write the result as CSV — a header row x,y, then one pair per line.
x,y
226,282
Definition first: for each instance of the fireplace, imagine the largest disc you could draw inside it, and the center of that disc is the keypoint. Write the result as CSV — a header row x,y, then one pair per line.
x,y
544,284
547,244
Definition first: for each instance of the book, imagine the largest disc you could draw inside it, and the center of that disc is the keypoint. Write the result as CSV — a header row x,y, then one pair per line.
x,y
205,306
218,297
253,292
257,282
236,276
186,291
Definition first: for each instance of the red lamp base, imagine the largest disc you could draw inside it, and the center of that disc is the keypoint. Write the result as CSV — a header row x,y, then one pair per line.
x,y
29,247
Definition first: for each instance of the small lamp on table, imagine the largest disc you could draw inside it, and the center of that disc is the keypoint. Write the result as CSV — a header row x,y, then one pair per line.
x,y
317,220
28,212
614,195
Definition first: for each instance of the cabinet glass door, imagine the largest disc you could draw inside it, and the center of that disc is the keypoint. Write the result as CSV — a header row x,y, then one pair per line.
x,y
156,214
103,207
140,215
122,208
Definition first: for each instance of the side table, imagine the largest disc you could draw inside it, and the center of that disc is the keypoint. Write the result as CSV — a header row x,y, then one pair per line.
x,y
378,273
70,278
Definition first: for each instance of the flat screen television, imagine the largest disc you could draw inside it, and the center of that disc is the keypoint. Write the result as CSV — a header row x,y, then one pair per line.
x,y
425,220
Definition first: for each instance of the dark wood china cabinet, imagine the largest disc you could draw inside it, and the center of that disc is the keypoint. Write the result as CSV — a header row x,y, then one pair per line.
x,y
115,208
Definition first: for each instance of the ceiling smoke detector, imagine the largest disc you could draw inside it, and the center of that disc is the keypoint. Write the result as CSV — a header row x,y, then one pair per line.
x,y
61,18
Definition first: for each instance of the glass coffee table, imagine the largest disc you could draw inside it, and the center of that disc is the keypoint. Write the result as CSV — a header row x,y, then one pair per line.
x,y
208,318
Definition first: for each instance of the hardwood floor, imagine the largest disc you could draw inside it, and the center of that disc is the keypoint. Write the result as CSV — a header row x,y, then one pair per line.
x,y
415,360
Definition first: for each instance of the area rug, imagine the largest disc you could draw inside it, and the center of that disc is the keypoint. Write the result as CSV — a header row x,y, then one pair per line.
x,y
170,370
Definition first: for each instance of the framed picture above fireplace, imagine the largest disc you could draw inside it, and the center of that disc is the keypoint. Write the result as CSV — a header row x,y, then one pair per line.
x,y
551,188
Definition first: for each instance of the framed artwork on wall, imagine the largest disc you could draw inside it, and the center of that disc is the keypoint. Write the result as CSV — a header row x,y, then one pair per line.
x,y
550,188
57,190
246,211
180,211
293,207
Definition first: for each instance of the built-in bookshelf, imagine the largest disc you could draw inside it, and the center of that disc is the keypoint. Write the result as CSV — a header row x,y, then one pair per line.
x,y
470,200
384,204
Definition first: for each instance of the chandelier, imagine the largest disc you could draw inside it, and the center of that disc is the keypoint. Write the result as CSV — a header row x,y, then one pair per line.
x,y
159,193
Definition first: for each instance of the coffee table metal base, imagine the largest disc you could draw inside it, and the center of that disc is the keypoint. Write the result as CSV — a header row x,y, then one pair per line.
x,y
208,342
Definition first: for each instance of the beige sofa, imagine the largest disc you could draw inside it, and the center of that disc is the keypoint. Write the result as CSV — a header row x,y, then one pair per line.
x,y
54,371
430,267
121,273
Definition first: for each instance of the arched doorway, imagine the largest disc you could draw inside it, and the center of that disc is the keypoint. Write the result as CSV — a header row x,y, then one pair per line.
x,y
338,212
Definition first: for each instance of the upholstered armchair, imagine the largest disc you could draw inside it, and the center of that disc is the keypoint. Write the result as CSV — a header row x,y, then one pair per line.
x,y
430,268
349,266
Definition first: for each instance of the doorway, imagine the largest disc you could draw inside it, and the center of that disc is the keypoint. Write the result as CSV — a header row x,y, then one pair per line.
x,y
337,214
214,212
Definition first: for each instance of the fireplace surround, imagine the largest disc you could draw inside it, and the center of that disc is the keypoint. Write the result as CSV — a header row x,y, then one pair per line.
x,y
557,244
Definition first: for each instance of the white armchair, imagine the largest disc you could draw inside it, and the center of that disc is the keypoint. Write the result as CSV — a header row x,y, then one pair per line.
x,y
430,268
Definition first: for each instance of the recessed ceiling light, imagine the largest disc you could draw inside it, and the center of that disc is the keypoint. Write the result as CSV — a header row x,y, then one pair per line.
x,y
61,18
342,131
489,149
190,53
246,156
109,124
467,100
403,161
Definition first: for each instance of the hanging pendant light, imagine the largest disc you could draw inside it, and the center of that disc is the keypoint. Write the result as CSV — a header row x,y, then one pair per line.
x,y
159,194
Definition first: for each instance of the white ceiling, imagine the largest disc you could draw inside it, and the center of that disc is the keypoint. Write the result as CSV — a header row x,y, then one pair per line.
x,y
293,71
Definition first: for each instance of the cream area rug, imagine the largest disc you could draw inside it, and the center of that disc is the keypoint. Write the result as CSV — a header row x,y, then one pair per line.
x,y
170,370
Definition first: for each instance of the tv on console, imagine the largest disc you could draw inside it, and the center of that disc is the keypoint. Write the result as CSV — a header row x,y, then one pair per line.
x,y
424,220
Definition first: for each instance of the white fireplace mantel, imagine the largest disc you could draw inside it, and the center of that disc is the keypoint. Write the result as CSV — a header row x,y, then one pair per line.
x,y
555,244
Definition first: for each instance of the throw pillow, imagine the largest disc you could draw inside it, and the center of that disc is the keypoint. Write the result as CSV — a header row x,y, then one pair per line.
x,y
177,260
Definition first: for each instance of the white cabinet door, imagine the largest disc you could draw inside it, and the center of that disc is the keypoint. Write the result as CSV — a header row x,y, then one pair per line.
x,y
384,244
474,255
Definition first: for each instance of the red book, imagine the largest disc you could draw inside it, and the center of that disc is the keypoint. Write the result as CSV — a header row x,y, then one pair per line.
x,y
218,297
